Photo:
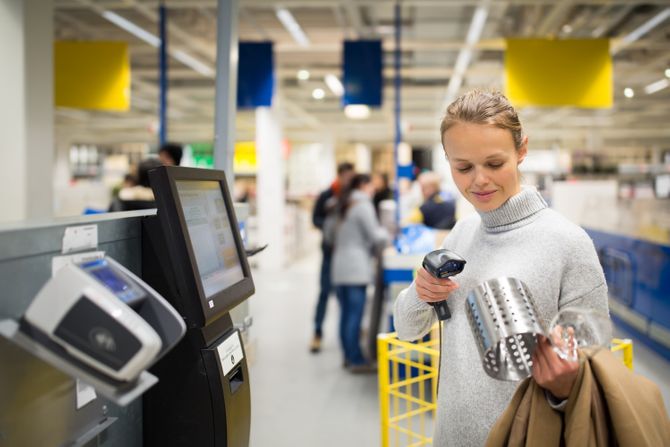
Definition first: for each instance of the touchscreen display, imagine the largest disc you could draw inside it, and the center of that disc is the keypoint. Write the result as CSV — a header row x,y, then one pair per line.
x,y
210,234
124,288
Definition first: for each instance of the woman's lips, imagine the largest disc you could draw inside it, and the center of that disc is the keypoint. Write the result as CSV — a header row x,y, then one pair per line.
x,y
483,196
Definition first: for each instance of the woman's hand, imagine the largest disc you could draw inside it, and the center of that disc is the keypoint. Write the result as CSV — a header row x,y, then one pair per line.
x,y
431,289
552,372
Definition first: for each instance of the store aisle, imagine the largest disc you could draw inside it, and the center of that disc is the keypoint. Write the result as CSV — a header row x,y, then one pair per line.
x,y
302,399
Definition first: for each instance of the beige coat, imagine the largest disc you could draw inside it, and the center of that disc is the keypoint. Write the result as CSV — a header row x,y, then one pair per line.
x,y
609,405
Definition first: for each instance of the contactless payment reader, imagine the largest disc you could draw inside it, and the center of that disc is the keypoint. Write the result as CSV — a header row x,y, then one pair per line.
x,y
105,317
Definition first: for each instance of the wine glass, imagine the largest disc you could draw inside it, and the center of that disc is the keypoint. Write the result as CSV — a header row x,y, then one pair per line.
x,y
576,328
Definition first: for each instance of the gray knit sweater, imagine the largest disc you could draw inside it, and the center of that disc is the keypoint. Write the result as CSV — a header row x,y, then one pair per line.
x,y
522,239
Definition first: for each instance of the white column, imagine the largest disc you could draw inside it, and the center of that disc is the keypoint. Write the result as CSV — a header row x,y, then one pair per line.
x,y
363,158
270,195
26,115
226,87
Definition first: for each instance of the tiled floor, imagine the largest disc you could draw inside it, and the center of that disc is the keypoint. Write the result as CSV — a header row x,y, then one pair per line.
x,y
300,399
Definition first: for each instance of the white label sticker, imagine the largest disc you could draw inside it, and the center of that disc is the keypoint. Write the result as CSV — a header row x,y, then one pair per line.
x,y
84,237
211,304
85,394
58,262
230,352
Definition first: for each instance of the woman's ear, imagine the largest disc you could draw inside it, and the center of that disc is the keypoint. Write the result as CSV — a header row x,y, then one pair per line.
x,y
523,150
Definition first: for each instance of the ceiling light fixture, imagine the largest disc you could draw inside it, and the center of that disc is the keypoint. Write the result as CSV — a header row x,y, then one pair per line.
x,y
628,92
318,93
303,75
643,29
334,84
193,63
667,72
656,86
133,29
465,55
357,111
155,41
289,22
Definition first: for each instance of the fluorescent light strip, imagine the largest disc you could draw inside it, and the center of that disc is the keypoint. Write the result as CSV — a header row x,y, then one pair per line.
x,y
155,41
334,84
465,55
286,18
133,29
656,86
476,26
193,63
645,27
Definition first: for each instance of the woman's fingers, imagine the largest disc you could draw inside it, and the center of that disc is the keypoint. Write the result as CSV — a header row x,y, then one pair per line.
x,y
433,289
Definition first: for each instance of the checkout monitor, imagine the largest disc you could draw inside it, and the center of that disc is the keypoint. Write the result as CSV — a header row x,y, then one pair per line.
x,y
203,240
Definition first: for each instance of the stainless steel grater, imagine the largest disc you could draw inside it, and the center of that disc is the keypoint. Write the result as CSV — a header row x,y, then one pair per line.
x,y
504,323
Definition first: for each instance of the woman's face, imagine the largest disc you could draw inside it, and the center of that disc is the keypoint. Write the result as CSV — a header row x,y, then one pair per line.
x,y
484,163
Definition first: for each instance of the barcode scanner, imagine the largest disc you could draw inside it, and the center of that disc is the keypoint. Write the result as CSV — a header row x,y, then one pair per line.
x,y
443,263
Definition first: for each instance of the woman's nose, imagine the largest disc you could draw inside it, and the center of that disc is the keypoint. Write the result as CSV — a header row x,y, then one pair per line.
x,y
481,178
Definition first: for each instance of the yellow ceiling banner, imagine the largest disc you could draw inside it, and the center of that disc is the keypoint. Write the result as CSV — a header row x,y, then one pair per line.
x,y
244,159
549,72
92,75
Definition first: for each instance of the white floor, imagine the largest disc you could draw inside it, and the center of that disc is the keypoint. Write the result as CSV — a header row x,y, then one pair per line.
x,y
300,399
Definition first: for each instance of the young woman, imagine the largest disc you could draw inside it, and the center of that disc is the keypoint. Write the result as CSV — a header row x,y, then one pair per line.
x,y
355,234
512,234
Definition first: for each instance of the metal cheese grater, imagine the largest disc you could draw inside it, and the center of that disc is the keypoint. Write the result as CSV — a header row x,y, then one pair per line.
x,y
504,323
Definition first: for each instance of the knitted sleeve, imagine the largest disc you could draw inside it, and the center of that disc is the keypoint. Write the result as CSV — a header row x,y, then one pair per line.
x,y
583,281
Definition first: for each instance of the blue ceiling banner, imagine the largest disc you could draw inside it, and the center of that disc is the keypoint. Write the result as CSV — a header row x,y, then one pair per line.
x,y
255,75
363,72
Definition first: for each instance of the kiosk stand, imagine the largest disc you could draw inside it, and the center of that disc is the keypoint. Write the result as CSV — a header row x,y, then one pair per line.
x,y
193,255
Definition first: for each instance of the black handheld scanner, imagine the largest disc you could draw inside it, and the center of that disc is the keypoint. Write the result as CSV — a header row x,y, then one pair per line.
x,y
443,263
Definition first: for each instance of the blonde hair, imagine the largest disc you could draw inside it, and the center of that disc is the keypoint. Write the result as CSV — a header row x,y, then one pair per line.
x,y
484,107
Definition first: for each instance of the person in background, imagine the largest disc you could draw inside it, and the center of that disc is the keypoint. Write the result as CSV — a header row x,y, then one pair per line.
x,y
512,234
436,211
323,208
139,196
170,154
355,234
380,182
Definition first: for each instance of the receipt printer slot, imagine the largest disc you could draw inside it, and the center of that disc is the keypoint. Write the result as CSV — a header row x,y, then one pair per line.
x,y
236,379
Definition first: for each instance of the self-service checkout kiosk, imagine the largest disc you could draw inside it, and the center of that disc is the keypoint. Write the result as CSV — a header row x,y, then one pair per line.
x,y
194,256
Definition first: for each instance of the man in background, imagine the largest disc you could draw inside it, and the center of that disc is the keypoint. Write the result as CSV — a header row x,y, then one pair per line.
x,y
323,209
437,211
170,154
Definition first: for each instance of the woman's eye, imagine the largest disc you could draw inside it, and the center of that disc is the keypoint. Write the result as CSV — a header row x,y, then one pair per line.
x,y
495,165
463,169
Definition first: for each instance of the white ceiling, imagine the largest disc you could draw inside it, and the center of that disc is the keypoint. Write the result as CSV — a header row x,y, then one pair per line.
x,y
433,33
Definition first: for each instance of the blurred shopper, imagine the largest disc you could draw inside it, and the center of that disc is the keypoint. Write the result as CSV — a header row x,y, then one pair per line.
x,y
139,196
512,234
354,234
323,208
437,210
170,154
380,182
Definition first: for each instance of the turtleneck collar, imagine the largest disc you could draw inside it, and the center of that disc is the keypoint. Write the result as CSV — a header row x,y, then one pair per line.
x,y
519,210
